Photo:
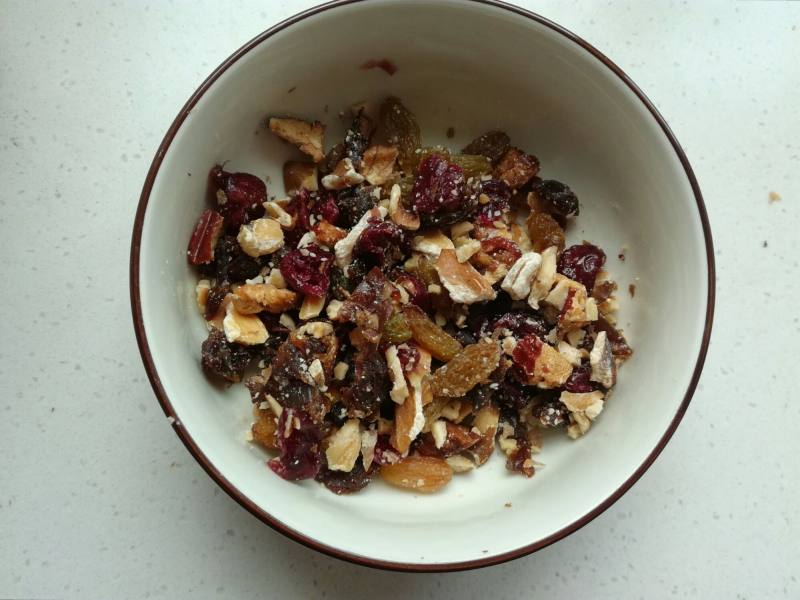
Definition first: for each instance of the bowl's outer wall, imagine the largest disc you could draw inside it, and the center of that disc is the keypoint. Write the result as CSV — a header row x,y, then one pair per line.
x,y
558,98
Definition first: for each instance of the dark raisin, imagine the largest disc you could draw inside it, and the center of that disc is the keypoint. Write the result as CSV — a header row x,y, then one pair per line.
x,y
370,386
300,451
332,158
243,267
464,337
240,196
306,270
556,197
340,482
353,203
492,144
511,394
225,251
551,413
288,382
520,324
356,140
499,196
337,414
223,358
215,297
582,263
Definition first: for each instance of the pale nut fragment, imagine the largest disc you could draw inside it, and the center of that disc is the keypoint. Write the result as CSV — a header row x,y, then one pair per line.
x,y
257,297
377,164
201,294
545,277
315,329
277,212
409,418
344,175
583,409
298,175
424,474
601,358
459,464
551,370
248,330
431,243
328,234
340,371
520,237
485,423
466,249
306,136
399,215
344,247
276,278
369,438
399,391
344,447
461,229
333,308
570,352
464,283
260,237
311,307
518,280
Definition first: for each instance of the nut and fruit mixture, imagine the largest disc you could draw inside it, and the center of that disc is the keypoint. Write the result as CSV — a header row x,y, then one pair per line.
x,y
406,309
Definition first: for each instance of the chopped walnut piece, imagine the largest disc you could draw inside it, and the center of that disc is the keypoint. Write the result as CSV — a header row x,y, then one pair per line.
x,y
306,136
431,243
343,176
328,234
299,175
518,280
277,212
401,217
583,409
248,330
344,447
463,282
260,237
377,164
254,298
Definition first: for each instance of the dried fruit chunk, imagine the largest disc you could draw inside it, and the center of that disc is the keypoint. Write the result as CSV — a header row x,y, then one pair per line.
x,y
544,232
582,263
396,330
260,237
465,370
221,357
400,128
255,298
551,414
492,144
344,248
264,428
298,442
299,175
424,474
446,439
463,282
516,168
341,482
542,364
493,202
554,197
204,238
306,270
353,203
306,136
438,187
382,243
377,164
519,458
370,385
619,346
369,306
473,165
404,218
240,196
429,335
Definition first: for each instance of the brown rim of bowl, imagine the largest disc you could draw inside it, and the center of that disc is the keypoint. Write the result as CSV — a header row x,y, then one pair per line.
x,y
232,491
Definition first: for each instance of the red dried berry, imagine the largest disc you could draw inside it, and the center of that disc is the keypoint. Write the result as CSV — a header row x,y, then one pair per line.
x,y
501,249
408,356
417,291
204,237
307,270
240,196
381,242
438,187
579,381
526,352
384,453
327,209
499,195
582,263
520,324
300,456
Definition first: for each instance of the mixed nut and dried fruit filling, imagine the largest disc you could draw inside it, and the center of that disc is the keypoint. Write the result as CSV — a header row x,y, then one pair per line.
x,y
407,309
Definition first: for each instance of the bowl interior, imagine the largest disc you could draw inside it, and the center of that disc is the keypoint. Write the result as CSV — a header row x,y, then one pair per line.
x,y
474,67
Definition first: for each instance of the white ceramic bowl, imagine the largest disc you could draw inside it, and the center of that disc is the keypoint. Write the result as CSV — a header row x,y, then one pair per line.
x,y
473,65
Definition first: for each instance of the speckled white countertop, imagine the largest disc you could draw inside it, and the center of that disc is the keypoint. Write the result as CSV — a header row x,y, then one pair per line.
x,y
98,497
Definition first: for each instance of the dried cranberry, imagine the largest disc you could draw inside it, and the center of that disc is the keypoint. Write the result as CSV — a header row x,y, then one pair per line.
x,y
327,209
385,454
499,195
520,459
501,249
417,291
240,196
582,263
341,482
579,382
300,450
526,352
381,242
223,358
438,187
306,270
353,203
408,356
511,394
300,209
520,324
557,198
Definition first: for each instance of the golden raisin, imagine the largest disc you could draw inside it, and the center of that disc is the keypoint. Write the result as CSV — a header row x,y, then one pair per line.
x,y
400,128
468,368
544,232
429,335
396,330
